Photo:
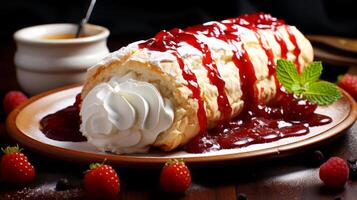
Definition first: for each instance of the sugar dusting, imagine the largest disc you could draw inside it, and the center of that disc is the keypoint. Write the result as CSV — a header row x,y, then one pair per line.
x,y
43,192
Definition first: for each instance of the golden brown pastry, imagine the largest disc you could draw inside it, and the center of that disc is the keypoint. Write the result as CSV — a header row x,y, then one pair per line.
x,y
163,91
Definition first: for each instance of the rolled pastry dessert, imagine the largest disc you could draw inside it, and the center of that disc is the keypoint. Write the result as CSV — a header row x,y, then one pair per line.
x,y
166,90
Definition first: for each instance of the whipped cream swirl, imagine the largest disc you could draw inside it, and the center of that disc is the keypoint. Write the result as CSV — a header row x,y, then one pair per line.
x,y
125,115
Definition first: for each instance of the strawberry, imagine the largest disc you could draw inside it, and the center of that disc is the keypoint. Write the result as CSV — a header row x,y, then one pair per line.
x,y
101,182
13,99
349,83
15,167
334,172
175,177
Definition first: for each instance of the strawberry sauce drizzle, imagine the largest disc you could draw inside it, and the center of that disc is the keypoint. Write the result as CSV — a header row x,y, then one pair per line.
x,y
287,116
212,72
166,41
297,50
261,21
283,55
283,46
227,32
192,84
269,53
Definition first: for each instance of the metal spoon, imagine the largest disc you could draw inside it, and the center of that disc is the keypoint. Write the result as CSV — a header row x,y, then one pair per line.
x,y
86,18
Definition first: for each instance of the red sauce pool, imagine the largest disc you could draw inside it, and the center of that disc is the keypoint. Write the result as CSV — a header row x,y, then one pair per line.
x,y
287,117
63,125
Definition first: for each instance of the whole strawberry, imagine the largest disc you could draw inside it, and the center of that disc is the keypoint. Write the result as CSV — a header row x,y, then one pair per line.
x,y
334,172
15,167
101,182
13,99
349,83
175,177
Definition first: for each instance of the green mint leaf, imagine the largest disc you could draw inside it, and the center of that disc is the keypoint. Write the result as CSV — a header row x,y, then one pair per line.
x,y
307,83
287,74
311,73
322,93
297,89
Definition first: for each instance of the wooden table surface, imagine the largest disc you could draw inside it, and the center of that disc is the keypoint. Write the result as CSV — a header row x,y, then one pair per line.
x,y
293,177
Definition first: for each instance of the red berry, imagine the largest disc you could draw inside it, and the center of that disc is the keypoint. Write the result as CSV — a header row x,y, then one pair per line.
x,y
349,83
101,182
175,177
13,99
334,172
15,167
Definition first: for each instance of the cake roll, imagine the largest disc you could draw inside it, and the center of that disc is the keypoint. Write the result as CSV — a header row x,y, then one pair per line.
x,y
164,91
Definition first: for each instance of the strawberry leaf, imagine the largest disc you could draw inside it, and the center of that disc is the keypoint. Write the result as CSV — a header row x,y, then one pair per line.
x,y
13,149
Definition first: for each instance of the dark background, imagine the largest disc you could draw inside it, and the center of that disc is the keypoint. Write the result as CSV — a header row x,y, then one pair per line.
x,y
137,19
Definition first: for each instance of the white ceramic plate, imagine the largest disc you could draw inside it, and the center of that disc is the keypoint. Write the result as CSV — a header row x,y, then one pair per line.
x,y
23,124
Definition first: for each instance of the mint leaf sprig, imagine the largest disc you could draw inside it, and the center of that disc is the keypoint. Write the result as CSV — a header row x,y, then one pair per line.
x,y
307,83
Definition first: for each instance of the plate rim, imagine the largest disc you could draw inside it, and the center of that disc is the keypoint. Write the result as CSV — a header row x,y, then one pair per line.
x,y
132,161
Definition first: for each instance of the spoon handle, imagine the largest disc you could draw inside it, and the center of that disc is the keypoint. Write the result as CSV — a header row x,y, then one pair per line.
x,y
86,18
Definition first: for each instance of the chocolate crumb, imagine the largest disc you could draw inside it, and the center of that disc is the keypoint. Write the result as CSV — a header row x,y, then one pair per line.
x,y
352,165
317,158
63,184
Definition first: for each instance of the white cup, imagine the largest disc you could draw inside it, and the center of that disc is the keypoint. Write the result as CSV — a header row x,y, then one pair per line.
x,y
44,64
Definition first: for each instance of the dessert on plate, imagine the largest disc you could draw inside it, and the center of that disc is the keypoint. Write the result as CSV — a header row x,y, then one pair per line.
x,y
206,87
